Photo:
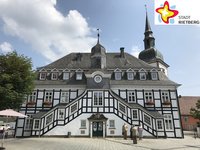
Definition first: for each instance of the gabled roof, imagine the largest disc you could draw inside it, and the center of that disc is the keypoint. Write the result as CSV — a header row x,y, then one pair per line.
x,y
186,103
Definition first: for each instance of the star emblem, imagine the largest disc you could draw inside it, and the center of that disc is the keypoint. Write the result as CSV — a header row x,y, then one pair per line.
x,y
166,13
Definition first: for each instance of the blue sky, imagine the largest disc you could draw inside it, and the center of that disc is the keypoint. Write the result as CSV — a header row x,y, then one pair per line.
x,y
46,30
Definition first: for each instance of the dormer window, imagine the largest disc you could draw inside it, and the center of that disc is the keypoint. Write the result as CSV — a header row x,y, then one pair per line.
x,y
142,76
154,74
130,74
79,74
118,74
43,74
54,74
66,75
142,73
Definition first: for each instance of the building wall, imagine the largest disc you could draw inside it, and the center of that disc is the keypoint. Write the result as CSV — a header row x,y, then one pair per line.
x,y
188,122
111,104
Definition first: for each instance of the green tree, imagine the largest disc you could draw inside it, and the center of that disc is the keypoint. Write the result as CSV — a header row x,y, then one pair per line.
x,y
16,80
195,112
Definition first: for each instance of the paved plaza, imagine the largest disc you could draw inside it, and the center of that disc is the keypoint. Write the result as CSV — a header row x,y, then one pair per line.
x,y
188,143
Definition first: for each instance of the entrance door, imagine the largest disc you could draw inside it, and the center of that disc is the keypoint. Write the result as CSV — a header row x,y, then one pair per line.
x,y
97,129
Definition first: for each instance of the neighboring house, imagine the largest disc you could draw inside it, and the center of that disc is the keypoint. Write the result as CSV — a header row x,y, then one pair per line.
x,y
94,94
186,103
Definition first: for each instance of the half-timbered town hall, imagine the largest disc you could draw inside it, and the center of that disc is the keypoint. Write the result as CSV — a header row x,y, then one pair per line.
x,y
94,94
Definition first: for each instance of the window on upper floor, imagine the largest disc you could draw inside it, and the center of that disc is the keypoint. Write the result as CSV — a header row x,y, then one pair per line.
x,y
97,98
32,97
148,96
79,74
118,74
165,97
66,75
131,96
142,76
154,75
43,75
130,74
54,76
64,97
48,96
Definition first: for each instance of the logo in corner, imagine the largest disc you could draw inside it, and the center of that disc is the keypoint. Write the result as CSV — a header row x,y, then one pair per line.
x,y
167,13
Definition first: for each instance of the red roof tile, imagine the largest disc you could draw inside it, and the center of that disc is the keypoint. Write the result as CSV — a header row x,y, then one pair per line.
x,y
186,103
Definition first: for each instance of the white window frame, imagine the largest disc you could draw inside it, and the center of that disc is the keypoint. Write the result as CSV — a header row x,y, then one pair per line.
x,y
119,106
28,122
83,124
143,76
159,123
147,123
168,122
130,75
61,113
97,98
136,110
131,97
66,75
154,75
64,97
112,124
54,76
72,110
51,119
165,96
38,125
32,97
48,96
118,75
148,96
43,75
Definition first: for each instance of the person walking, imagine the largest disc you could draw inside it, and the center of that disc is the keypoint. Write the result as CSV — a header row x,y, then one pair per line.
x,y
124,130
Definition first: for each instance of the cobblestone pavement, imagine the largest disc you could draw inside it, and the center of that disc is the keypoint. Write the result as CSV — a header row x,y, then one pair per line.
x,y
188,143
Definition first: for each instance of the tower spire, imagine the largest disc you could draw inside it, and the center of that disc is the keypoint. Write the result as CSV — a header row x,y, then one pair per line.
x,y
147,25
149,40
98,36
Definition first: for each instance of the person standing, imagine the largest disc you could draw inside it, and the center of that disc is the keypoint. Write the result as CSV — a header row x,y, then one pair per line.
x,y
140,130
134,134
124,130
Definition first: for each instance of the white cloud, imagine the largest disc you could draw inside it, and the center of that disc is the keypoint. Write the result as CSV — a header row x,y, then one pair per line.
x,y
49,32
6,47
54,1
135,51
